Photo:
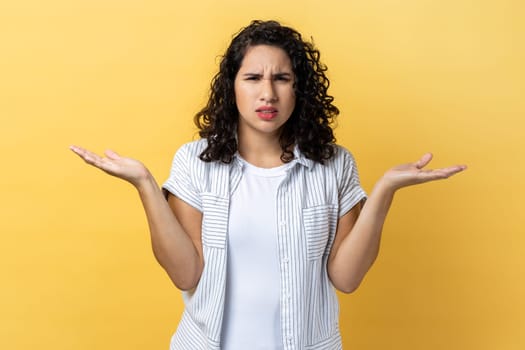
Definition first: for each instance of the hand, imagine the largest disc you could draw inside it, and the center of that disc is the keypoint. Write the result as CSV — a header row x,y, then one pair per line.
x,y
128,169
413,173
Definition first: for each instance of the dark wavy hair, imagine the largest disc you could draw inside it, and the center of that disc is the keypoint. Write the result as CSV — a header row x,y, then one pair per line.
x,y
309,126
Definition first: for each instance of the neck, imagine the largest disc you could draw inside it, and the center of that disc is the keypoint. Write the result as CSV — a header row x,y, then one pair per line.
x,y
260,150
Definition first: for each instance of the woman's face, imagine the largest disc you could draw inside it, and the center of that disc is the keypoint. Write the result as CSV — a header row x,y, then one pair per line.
x,y
264,91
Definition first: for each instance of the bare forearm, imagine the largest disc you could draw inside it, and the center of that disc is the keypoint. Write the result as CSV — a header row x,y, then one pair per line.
x,y
171,245
359,249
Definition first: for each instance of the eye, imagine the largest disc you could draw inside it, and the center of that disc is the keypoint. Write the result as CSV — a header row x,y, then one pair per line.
x,y
252,77
282,77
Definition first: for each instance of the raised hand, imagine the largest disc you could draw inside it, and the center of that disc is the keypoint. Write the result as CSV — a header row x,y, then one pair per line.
x,y
128,169
413,173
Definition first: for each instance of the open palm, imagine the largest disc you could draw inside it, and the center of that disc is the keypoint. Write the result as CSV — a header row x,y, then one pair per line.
x,y
128,169
414,173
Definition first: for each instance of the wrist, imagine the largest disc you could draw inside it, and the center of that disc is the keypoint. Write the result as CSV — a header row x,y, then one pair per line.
x,y
385,187
145,182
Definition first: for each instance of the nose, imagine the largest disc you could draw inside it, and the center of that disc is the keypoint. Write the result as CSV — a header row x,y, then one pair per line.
x,y
268,93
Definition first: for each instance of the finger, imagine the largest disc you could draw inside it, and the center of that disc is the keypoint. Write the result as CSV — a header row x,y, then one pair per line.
x,y
452,170
81,152
423,161
443,173
76,149
88,156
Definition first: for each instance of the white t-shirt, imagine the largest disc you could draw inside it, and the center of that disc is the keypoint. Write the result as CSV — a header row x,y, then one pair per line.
x,y
252,307
309,201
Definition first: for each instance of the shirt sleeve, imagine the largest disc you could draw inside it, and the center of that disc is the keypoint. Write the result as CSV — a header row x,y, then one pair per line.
x,y
350,190
180,182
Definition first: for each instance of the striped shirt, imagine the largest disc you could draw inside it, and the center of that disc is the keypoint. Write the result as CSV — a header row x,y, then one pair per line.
x,y
310,200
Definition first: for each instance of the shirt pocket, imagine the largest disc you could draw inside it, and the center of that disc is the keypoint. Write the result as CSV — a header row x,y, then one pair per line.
x,y
214,220
319,222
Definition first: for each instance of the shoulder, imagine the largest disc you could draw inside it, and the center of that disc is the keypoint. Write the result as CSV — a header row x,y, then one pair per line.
x,y
193,148
342,158
189,153
188,157
343,166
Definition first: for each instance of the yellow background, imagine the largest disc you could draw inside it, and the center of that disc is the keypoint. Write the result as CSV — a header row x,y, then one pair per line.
x,y
76,268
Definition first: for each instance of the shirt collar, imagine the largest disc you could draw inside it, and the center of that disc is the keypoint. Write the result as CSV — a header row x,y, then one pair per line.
x,y
299,158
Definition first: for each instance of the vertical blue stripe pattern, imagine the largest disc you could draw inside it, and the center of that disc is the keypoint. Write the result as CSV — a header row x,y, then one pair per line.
x,y
310,201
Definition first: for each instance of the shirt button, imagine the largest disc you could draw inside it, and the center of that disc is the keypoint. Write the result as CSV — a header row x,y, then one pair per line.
x,y
286,260
282,223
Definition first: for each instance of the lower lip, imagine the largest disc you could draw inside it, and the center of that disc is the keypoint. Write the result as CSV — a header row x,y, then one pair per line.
x,y
267,116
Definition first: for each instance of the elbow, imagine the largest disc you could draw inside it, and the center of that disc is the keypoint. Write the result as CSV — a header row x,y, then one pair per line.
x,y
184,286
183,282
184,278
348,288
344,282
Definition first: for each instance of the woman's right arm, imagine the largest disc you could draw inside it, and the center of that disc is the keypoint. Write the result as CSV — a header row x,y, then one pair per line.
x,y
175,226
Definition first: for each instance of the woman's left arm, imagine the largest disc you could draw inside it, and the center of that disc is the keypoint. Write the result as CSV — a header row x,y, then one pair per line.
x,y
358,235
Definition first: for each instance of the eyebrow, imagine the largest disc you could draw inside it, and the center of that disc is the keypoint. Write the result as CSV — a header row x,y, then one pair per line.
x,y
276,75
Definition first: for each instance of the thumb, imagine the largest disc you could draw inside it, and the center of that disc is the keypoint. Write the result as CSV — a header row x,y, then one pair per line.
x,y
111,154
423,161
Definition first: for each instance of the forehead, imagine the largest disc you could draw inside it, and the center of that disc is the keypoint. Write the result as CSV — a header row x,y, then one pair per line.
x,y
266,56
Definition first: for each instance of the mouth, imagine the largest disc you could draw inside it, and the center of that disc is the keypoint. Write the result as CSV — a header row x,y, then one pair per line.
x,y
266,113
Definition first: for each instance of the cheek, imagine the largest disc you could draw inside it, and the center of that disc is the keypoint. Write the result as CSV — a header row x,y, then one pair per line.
x,y
242,92
291,98
236,90
238,95
240,98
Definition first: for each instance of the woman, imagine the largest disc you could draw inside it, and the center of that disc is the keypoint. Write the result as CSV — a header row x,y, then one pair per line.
x,y
264,214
